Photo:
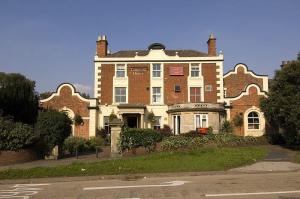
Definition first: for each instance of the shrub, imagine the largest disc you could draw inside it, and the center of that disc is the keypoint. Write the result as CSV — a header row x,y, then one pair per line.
x,y
103,133
15,136
217,140
134,138
78,120
166,131
95,142
275,138
71,143
53,128
191,134
226,127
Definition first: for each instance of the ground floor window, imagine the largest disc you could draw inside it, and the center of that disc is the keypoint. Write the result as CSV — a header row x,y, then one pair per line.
x,y
201,121
106,124
253,120
157,123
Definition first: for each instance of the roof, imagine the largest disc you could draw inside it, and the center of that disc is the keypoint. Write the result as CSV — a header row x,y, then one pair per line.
x,y
181,53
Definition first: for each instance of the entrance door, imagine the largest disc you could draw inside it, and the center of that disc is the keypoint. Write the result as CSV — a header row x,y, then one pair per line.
x,y
132,122
176,124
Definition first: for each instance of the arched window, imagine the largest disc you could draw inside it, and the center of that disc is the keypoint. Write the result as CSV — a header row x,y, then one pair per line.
x,y
253,120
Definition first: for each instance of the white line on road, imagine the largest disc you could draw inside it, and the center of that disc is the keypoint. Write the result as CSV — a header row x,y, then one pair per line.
x,y
253,193
22,191
164,184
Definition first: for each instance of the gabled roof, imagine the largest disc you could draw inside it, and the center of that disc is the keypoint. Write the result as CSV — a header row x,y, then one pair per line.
x,y
180,53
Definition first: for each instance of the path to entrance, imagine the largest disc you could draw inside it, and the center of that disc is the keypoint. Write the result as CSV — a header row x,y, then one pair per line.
x,y
278,159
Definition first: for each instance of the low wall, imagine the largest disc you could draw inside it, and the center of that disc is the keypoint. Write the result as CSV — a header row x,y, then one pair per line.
x,y
13,157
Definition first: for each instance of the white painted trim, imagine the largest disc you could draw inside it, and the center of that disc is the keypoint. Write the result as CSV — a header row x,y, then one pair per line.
x,y
157,82
57,93
244,93
154,55
262,122
246,71
201,117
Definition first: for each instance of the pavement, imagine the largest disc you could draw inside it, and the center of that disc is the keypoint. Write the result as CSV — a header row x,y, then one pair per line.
x,y
274,177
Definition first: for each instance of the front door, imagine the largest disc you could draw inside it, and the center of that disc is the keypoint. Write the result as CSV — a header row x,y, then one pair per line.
x,y
132,121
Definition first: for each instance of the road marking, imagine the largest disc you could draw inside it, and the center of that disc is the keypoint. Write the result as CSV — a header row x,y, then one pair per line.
x,y
164,184
23,191
253,193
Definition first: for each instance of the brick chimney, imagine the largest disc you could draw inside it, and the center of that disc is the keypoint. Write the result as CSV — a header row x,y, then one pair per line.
x,y
211,44
102,43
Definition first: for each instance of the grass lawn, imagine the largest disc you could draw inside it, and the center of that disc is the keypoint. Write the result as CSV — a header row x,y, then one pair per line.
x,y
297,157
206,159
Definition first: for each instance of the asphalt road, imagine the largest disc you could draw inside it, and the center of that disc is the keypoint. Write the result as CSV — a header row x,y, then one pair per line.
x,y
285,185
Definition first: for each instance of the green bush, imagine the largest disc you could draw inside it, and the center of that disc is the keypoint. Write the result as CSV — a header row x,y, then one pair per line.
x,y
166,131
94,142
134,138
217,140
78,120
71,143
53,128
15,136
226,127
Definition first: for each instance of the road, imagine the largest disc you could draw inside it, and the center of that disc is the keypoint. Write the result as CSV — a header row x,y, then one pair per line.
x,y
284,185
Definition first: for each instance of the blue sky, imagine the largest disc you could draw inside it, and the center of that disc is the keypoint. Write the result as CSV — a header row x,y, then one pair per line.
x,y
54,41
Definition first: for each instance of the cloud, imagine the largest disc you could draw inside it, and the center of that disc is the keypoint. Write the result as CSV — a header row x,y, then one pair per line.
x,y
83,88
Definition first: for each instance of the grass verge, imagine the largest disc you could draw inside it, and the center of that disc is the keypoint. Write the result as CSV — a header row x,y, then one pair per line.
x,y
206,159
297,158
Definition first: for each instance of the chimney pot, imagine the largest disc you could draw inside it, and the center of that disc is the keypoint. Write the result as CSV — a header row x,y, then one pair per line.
x,y
102,44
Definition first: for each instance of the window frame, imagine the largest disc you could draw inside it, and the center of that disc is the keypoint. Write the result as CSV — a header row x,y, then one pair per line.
x,y
253,123
156,71
155,95
202,117
120,95
195,96
157,124
194,66
123,71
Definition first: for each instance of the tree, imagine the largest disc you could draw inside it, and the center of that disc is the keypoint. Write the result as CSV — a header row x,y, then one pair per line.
x,y
282,106
85,95
45,95
53,128
18,98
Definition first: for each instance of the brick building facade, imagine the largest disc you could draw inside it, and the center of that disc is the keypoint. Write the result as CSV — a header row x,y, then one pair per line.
x,y
184,89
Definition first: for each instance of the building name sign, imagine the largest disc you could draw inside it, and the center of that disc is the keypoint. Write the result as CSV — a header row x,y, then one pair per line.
x,y
138,70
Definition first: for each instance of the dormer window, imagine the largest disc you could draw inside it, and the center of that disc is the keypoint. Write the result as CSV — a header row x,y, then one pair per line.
x,y
120,70
195,70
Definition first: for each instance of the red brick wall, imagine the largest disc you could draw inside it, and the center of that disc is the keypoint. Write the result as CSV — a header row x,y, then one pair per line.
x,y
107,74
170,96
82,130
236,83
138,83
65,99
242,104
210,78
13,157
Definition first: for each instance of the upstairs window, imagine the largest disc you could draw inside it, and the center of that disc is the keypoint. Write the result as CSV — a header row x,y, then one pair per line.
x,y
195,70
156,94
195,94
253,120
156,70
120,94
120,71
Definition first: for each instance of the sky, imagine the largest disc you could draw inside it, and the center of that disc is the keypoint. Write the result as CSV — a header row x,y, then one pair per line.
x,y
54,41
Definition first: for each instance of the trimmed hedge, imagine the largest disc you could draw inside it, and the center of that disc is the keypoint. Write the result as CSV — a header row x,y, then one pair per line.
x,y
217,140
134,138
